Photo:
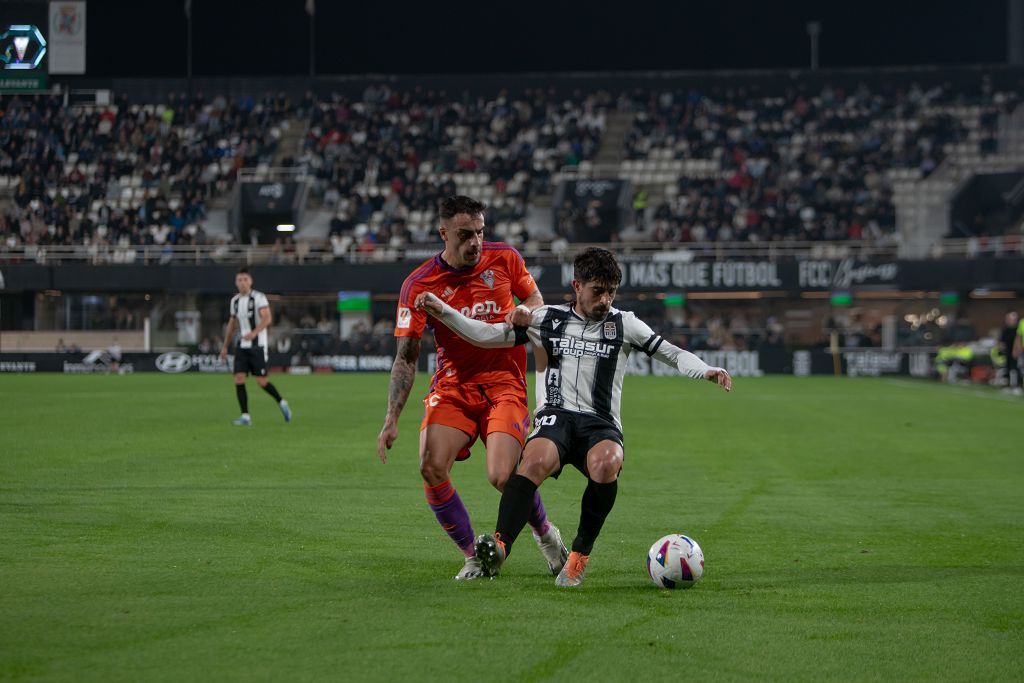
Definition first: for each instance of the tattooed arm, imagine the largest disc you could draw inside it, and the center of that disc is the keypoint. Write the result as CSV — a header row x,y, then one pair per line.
x,y
403,374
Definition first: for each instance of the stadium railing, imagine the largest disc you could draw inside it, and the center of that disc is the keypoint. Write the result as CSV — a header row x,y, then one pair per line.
x,y
304,253
270,174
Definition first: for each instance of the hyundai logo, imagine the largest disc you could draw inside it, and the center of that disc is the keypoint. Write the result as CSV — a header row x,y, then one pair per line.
x,y
173,362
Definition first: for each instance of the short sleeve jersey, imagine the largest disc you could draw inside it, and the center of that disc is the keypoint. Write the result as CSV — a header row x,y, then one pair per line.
x,y
246,309
583,361
483,292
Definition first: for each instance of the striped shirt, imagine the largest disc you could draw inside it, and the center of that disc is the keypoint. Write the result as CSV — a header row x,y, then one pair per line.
x,y
580,363
246,309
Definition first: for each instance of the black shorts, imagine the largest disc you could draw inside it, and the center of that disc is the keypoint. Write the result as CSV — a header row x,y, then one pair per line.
x,y
574,434
253,361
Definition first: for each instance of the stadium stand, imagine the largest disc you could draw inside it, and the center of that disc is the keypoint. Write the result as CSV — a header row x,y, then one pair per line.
x,y
739,164
383,162
126,174
724,165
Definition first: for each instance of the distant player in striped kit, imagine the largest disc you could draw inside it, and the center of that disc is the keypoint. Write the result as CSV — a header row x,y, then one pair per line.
x,y
582,350
250,314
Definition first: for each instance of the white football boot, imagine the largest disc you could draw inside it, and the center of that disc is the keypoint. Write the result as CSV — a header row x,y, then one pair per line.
x,y
552,548
471,570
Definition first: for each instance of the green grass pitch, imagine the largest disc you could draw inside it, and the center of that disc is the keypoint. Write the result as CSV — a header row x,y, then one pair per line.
x,y
853,529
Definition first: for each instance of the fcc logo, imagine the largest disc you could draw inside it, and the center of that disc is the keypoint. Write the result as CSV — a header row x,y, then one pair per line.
x,y
173,362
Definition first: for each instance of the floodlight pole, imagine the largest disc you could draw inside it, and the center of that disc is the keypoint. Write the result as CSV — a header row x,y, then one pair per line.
x,y
1015,32
188,46
310,9
814,30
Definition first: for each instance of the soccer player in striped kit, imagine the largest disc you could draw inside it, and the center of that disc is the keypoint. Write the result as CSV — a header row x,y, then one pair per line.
x,y
582,350
474,392
250,313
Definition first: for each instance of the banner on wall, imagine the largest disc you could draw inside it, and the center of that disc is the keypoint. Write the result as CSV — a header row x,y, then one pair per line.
x,y
67,37
638,276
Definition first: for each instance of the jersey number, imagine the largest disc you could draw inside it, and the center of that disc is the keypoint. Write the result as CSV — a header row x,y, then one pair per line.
x,y
545,421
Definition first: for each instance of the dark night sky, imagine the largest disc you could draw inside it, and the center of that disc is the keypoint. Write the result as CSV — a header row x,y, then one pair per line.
x,y
260,37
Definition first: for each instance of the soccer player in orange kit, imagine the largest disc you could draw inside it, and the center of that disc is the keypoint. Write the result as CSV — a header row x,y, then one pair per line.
x,y
474,392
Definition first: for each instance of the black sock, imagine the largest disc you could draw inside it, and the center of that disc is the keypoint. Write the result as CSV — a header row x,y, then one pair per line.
x,y
597,502
514,508
243,397
270,389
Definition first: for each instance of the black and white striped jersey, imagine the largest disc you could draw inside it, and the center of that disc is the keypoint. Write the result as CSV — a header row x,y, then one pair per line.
x,y
580,363
583,362
246,309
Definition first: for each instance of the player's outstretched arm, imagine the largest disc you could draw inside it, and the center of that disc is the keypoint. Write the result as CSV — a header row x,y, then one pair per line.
x,y
654,345
403,375
476,332
691,365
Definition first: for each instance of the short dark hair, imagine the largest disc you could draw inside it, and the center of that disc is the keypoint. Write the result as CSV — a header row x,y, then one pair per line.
x,y
450,206
243,271
597,265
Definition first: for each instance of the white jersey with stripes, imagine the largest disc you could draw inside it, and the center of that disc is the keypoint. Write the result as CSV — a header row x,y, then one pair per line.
x,y
587,360
580,362
245,308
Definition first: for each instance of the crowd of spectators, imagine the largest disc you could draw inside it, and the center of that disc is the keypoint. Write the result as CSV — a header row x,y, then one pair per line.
x,y
800,165
126,174
744,164
383,162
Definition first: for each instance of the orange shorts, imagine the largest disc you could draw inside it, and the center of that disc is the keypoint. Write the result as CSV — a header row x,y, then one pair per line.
x,y
480,409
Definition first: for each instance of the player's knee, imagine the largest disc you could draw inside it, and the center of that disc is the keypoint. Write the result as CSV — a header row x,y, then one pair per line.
x,y
433,472
498,479
239,378
604,467
536,469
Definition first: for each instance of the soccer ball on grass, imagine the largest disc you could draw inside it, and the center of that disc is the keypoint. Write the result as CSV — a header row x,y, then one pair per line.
x,y
675,561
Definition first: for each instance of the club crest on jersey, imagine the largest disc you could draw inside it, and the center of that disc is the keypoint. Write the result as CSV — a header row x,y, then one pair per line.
x,y
611,330
488,277
447,293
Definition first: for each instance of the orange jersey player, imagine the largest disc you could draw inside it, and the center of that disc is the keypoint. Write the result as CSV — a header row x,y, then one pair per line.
x,y
474,392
